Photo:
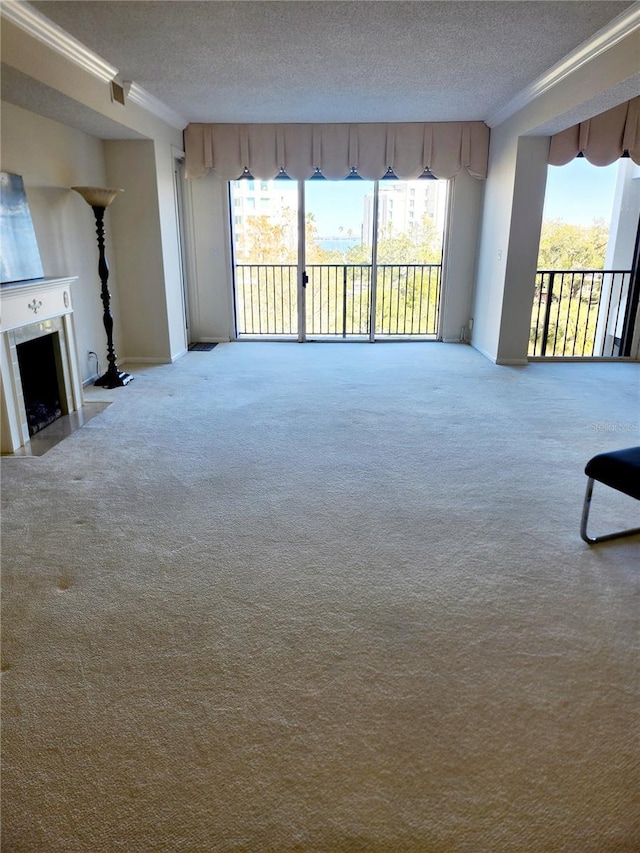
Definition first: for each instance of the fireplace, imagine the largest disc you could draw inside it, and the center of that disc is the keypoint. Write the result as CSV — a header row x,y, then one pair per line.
x,y
38,361
40,375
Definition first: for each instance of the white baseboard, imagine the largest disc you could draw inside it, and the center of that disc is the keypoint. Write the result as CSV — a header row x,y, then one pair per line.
x,y
483,352
503,362
133,359
178,355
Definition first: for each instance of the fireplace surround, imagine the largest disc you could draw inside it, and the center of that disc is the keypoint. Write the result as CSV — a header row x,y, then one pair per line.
x,y
31,310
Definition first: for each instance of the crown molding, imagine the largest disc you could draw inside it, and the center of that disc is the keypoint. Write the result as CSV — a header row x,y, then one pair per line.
x,y
150,103
41,28
617,29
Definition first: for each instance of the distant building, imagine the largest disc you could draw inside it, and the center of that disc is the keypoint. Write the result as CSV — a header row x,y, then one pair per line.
x,y
276,200
402,205
260,198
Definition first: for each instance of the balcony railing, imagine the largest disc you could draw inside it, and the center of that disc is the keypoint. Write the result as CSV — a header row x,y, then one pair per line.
x,y
338,300
267,299
579,313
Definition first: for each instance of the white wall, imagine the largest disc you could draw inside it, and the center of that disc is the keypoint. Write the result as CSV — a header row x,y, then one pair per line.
x,y
210,294
151,324
515,170
494,241
624,222
522,252
461,254
51,158
130,164
165,153
146,240
622,242
141,242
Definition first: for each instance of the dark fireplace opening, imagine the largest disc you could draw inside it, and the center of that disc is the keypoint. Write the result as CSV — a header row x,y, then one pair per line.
x,y
39,361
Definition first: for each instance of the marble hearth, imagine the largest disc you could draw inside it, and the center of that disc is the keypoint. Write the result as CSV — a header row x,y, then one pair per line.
x,y
32,309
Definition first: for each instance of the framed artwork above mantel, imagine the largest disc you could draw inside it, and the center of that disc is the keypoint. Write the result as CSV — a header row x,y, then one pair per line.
x,y
19,253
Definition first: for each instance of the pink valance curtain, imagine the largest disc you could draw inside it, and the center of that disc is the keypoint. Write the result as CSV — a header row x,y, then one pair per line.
x,y
265,150
601,139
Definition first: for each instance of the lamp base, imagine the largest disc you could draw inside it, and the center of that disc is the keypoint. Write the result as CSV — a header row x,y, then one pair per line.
x,y
114,379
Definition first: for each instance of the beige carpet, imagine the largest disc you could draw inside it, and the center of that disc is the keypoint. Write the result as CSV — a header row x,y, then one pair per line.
x,y
325,598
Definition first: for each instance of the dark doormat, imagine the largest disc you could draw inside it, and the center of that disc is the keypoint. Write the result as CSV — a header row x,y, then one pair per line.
x,y
201,347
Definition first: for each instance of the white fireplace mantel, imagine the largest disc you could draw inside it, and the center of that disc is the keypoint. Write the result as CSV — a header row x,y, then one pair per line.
x,y
30,309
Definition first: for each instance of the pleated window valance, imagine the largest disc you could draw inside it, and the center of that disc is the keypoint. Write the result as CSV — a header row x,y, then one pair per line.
x,y
602,139
337,150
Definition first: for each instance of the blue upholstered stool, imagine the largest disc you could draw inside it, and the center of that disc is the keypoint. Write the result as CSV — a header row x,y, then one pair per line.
x,y
619,470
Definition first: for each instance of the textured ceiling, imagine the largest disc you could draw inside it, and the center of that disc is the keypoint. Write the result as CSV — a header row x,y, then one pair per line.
x,y
426,60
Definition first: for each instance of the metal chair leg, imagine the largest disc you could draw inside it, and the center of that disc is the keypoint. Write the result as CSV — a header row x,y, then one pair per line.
x,y
586,506
592,540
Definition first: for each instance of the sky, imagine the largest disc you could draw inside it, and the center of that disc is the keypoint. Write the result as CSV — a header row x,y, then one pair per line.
x,y
577,193
334,204
337,204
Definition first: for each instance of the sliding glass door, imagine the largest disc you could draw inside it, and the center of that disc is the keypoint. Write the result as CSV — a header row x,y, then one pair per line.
x,y
338,254
336,260
264,217
411,216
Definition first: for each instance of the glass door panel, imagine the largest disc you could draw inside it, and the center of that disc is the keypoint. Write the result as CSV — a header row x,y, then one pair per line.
x,y
338,258
264,216
411,217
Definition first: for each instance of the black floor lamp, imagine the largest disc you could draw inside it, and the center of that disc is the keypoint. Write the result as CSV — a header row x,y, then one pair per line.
x,y
100,199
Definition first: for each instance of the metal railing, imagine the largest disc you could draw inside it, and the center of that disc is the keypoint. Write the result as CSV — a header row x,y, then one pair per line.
x,y
408,299
338,300
267,299
578,313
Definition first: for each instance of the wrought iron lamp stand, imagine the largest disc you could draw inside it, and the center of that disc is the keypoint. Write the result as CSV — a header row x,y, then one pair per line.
x,y
99,199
